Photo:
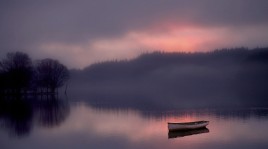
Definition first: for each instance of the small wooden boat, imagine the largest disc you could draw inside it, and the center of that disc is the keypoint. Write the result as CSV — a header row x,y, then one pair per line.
x,y
187,125
183,133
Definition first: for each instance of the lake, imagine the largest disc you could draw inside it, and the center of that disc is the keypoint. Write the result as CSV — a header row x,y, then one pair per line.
x,y
72,124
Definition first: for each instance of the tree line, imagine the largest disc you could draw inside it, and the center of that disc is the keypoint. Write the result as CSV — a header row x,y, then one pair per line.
x,y
159,80
20,75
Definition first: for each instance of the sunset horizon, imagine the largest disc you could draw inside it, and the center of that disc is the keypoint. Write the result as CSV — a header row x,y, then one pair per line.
x,y
133,74
80,33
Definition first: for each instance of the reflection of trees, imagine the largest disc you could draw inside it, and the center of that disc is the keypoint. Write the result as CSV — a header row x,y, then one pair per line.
x,y
52,112
17,115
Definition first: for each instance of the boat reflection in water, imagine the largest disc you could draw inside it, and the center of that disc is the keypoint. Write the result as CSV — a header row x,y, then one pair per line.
x,y
183,133
187,125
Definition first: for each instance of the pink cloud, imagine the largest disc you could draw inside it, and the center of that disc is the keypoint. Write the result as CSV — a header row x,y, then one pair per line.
x,y
169,39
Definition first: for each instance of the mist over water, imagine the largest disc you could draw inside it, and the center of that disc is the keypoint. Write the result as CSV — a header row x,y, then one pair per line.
x,y
163,81
127,104
86,126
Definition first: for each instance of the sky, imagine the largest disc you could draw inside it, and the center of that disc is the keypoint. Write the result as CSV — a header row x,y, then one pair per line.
x,y
81,32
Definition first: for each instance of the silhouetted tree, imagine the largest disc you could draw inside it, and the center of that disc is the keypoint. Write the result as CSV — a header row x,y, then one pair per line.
x,y
2,80
51,74
16,71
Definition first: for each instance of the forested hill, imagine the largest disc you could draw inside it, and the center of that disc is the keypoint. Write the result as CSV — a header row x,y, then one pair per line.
x,y
221,77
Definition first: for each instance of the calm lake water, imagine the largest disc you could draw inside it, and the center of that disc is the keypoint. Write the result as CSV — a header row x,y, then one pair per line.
x,y
71,125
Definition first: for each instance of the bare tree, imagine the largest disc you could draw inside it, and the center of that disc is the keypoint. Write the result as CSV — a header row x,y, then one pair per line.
x,y
16,71
2,79
51,74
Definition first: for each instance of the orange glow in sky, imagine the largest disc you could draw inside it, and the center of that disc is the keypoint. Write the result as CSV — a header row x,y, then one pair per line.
x,y
79,32
180,39
132,43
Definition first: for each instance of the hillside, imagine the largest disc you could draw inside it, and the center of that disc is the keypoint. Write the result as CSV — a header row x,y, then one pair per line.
x,y
226,77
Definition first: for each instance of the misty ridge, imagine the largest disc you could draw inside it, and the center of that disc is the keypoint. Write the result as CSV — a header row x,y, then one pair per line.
x,y
161,81
153,81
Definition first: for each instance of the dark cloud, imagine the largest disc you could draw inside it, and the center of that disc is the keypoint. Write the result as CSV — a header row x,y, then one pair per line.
x,y
25,24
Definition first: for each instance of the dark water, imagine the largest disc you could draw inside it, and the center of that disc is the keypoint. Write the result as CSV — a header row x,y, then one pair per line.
x,y
67,124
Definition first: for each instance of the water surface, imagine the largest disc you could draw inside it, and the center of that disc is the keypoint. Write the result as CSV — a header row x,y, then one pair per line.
x,y
79,125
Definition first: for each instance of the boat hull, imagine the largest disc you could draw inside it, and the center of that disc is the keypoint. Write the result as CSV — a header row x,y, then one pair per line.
x,y
183,133
187,126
